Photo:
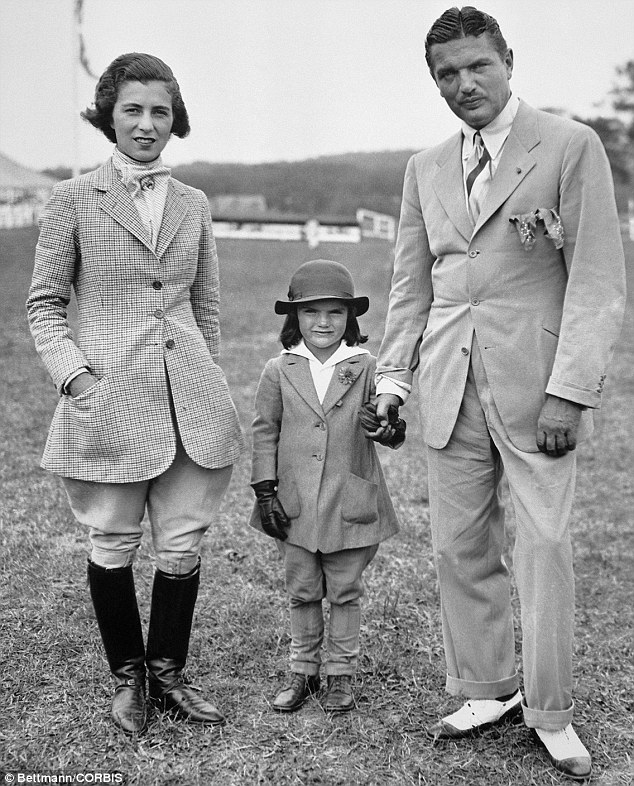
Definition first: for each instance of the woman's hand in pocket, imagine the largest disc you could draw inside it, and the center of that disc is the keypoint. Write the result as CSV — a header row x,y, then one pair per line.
x,y
81,383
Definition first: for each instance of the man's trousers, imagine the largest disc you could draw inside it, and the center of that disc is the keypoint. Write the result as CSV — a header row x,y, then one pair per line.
x,y
467,522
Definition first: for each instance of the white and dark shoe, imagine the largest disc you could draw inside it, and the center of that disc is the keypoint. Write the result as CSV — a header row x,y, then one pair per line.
x,y
475,716
566,752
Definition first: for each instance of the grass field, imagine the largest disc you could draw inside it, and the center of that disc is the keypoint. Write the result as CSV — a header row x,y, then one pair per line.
x,y
56,689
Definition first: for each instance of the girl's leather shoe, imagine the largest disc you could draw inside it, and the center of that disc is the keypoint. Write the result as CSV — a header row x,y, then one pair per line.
x,y
297,688
339,697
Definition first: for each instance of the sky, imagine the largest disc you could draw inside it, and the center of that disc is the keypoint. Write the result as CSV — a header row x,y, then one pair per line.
x,y
270,80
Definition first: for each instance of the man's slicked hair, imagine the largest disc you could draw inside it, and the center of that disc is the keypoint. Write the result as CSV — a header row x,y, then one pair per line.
x,y
462,22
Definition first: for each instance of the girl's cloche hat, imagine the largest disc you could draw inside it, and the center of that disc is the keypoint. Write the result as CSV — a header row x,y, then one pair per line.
x,y
319,279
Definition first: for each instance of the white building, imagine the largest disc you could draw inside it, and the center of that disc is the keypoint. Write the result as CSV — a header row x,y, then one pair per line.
x,y
23,193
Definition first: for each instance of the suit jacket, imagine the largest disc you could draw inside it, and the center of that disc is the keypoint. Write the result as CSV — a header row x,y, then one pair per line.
x,y
330,480
546,320
145,317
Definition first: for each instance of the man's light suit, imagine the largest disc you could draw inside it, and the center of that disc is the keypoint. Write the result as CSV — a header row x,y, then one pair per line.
x,y
524,323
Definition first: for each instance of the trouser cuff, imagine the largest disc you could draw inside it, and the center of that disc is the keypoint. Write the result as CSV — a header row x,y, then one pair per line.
x,y
481,690
337,669
550,720
307,669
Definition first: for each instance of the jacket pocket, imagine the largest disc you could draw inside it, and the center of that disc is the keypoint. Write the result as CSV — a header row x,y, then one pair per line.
x,y
360,501
288,497
86,396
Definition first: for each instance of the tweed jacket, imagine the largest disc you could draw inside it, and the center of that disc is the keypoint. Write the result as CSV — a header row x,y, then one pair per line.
x,y
331,484
546,319
148,324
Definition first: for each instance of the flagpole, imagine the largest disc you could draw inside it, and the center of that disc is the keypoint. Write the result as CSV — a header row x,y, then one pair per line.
x,y
75,53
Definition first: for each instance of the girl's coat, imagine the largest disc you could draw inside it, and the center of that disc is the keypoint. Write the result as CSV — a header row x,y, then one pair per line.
x,y
330,480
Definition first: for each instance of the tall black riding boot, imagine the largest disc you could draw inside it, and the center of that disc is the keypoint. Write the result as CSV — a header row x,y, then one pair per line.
x,y
173,601
114,600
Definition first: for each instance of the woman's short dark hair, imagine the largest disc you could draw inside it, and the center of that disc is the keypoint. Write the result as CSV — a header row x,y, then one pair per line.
x,y
134,67
291,335
459,23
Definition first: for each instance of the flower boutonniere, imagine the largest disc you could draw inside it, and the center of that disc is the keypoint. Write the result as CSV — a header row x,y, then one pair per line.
x,y
346,375
527,223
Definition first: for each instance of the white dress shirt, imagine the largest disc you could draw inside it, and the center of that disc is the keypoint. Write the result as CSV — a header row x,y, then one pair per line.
x,y
322,372
149,203
494,136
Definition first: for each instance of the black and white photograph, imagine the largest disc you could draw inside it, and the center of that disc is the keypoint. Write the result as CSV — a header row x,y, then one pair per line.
x,y
317,392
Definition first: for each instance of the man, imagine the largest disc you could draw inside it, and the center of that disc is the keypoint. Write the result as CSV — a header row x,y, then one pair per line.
x,y
508,295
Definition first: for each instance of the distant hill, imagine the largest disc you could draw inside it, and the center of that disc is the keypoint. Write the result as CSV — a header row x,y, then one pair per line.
x,y
336,185
333,185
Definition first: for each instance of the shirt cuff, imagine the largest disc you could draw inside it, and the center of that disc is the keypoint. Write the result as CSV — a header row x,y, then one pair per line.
x,y
74,375
389,385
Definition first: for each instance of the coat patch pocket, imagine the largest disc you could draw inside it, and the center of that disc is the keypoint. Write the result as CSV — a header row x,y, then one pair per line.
x,y
288,497
360,501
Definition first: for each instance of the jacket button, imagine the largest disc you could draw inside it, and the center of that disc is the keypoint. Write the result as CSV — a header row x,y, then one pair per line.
x,y
464,351
170,343
157,285
473,254
159,314
475,301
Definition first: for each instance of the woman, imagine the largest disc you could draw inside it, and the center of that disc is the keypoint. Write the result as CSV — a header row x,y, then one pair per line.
x,y
145,420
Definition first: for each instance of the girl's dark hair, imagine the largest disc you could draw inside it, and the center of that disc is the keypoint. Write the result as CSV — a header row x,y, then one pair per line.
x,y
459,23
134,67
291,335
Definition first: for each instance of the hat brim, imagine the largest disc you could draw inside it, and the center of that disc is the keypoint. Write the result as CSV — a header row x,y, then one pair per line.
x,y
361,304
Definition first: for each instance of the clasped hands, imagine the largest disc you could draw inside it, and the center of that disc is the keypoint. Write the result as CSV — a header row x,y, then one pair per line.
x,y
380,421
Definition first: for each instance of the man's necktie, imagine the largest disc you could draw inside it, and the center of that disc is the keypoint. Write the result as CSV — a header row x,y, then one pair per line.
x,y
478,161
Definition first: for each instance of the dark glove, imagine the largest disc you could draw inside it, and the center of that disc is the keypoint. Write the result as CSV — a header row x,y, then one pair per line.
x,y
272,516
394,437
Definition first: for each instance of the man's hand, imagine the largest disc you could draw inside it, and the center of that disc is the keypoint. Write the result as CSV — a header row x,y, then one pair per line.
x,y
81,383
272,515
393,436
383,403
557,426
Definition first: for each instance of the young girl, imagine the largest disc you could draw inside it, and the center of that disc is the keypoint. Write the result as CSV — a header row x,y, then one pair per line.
x,y
318,482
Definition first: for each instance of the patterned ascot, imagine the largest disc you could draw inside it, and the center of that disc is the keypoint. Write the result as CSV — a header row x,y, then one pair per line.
x,y
147,185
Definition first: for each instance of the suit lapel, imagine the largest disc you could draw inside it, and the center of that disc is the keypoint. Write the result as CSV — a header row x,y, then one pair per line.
x,y
173,214
449,187
350,369
116,201
118,204
515,163
297,370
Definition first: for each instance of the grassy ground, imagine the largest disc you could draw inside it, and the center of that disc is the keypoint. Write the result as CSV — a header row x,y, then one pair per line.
x,y
55,685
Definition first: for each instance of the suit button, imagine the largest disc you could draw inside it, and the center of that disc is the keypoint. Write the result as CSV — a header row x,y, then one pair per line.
x,y
475,301
473,254
159,314
157,285
464,351
170,343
